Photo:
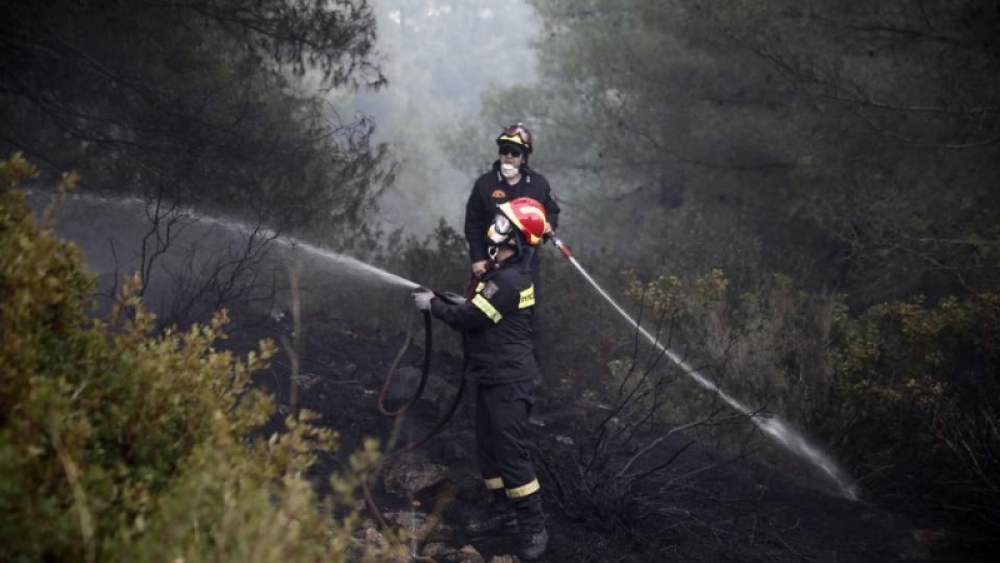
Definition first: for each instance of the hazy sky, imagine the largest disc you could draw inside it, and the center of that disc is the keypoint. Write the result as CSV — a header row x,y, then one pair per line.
x,y
439,58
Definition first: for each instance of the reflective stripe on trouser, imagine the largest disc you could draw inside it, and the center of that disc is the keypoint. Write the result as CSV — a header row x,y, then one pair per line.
x,y
501,435
493,483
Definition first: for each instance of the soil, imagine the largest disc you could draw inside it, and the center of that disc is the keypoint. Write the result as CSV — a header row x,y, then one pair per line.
x,y
734,510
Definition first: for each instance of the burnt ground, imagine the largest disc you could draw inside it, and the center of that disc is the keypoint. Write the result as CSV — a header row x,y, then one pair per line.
x,y
721,510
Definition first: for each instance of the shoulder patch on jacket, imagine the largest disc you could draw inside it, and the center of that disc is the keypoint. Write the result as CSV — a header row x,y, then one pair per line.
x,y
499,194
490,289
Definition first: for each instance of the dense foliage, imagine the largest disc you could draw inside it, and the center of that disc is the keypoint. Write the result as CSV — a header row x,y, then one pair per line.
x,y
118,444
855,143
196,103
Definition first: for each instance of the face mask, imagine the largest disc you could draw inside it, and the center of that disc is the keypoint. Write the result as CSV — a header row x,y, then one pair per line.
x,y
508,170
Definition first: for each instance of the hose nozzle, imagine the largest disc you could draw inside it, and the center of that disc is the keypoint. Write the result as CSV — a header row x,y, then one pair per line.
x,y
561,246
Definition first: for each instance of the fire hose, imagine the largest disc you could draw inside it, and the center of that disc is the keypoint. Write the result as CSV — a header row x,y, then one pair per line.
x,y
377,465
563,249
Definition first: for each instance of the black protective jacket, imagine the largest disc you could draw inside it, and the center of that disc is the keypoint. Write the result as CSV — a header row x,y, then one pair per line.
x,y
490,190
497,323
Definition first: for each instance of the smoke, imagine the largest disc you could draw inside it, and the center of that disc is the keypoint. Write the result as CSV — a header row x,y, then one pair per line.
x,y
440,60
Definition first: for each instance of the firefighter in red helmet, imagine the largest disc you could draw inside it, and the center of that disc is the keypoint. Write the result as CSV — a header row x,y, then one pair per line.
x,y
497,320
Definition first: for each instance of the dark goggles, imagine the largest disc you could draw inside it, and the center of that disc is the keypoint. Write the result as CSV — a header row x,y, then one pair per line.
x,y
510,150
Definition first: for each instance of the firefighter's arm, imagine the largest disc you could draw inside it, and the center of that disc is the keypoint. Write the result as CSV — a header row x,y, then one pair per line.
x,y
487,307
476,223
552,209
465,317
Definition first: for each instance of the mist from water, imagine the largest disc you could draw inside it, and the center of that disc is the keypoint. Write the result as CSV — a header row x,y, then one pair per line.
x,y
770,425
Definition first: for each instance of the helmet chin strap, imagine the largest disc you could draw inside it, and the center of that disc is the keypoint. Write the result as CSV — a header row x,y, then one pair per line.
x,y
493,250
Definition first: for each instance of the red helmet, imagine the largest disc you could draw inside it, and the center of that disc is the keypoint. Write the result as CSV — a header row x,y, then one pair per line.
x,y
524,213
516,134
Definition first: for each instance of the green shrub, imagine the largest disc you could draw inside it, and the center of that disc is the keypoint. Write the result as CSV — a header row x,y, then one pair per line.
x,y
765,347
120,444
919,395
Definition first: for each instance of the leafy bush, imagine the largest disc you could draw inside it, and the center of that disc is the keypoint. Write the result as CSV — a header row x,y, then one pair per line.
x,y
120,444
918,387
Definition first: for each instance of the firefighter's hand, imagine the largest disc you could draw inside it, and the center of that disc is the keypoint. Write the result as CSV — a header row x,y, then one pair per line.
x,y
479,268
422,299
549,231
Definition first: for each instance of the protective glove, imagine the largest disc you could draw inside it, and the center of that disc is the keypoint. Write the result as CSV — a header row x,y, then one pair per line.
x,y
452,297
422,299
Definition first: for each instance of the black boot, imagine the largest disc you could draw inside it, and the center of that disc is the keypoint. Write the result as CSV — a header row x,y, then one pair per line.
x,y
533,538
532,545
502,522
496,518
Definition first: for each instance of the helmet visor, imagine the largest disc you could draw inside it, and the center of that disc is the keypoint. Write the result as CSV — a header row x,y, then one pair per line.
x,y
519,131
500,230
516,134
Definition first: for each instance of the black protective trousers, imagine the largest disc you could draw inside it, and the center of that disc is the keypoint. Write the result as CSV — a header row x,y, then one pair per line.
x,y
502,413
536,323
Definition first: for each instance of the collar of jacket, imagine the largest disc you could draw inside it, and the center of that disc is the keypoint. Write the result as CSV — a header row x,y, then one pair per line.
x,y
524,170
521,261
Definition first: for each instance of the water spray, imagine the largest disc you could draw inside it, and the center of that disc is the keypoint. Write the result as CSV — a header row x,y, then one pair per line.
x,y
239,227
770,425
